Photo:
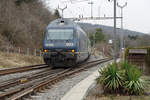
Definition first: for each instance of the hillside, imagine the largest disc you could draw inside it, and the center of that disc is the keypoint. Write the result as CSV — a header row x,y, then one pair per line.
x,y
132,38
107,29
22,22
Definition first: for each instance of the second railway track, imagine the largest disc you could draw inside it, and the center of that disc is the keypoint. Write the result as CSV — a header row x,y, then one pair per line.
x,y
12,90
22,69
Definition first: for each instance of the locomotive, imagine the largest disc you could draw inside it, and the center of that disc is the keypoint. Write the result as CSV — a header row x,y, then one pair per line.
x,y
65,43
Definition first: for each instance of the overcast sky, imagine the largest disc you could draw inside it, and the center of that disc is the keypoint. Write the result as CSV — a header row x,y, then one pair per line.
x,y
136,14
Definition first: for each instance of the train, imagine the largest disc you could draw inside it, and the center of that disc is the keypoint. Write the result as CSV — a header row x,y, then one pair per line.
x,y
65,43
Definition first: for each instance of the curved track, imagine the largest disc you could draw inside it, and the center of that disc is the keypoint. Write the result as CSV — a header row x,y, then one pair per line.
x,y
12,90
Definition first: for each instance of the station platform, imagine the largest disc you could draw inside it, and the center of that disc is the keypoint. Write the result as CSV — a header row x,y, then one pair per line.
x,y
78,92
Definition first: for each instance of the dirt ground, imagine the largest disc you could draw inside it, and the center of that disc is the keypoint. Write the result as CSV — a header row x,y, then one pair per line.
x,y
8,60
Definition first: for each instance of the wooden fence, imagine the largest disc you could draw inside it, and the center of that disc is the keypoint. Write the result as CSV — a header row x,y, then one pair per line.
x,y
24,51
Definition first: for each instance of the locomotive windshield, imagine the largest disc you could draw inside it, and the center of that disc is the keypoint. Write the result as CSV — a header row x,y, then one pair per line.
x,y
60,34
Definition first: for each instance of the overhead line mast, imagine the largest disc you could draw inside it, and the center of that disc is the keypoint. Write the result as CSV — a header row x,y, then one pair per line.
x,y
91,3
62,10
122,35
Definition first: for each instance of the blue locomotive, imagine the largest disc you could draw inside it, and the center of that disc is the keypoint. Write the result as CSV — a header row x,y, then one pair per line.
x,y
65,43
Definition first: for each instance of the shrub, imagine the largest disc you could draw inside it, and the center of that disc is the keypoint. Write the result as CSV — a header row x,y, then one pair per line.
x,y
124,65
134,84
111,78
125,78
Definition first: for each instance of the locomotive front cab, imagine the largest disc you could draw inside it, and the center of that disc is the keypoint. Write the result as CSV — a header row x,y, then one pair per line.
x,y
60,45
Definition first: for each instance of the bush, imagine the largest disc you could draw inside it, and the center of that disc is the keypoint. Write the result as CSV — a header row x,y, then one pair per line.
x,y
124,65
111,78
134,84
125,77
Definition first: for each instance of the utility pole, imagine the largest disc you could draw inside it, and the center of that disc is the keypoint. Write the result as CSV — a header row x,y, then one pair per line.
x,y
115,36
62,10
122,35
91,3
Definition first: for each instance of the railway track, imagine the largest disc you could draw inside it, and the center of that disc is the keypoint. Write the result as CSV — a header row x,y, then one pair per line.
x,y
18,88
22,69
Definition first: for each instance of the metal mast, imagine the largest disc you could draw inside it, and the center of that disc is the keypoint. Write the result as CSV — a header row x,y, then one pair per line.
x,y
122,35
115,36
91,3
62,9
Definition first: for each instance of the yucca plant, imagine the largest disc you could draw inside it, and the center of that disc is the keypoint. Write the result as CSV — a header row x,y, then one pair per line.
x,y
125,65
134,84
111,78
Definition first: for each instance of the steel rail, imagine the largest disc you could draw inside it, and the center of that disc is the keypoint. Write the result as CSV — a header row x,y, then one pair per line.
x,y
53,79
22,69
27,78
29,84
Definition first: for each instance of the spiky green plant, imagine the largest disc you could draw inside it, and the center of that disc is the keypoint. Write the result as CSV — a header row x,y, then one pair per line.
x,y
134,84
111,78
125,65
126,78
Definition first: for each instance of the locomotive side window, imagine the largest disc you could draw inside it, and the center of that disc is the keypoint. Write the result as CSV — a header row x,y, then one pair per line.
x,y
60,34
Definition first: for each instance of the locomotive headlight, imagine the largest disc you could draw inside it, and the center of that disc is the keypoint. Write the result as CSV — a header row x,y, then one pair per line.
x,y
73,50
45,50
69,44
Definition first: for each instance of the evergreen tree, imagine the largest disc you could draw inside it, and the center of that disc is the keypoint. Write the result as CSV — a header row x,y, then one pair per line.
x,y
57,14
99,36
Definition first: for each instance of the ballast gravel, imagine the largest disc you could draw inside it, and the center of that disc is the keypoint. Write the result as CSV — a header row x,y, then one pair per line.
x,y
17,75
57,91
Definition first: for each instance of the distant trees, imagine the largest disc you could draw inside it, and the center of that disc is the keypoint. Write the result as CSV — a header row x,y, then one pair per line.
x,y
132,37
98,36
137,40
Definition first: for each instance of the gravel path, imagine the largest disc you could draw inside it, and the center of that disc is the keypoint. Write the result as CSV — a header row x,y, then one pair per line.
x,y
58,90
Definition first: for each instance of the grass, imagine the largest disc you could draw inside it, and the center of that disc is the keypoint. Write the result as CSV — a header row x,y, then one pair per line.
x,y
18,60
